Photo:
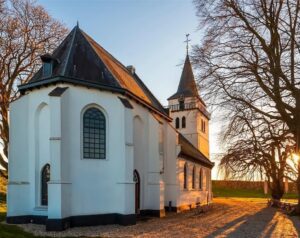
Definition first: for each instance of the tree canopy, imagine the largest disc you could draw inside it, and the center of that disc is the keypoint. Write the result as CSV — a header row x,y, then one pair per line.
x,y
26,32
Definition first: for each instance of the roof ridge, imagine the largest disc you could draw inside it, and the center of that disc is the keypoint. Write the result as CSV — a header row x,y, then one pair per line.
x,y
70,49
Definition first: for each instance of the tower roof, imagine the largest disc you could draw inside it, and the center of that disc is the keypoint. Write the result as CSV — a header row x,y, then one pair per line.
x,y
80,60
187,86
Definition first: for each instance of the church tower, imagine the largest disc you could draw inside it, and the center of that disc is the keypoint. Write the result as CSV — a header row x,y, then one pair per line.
x,y
188,110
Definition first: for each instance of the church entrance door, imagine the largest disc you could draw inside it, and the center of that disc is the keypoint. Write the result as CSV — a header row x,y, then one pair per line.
x,y
137,181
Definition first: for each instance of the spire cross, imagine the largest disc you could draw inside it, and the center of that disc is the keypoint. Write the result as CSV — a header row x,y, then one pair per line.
x,y
187,43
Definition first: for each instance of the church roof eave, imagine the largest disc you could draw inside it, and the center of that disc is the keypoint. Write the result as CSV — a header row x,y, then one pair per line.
x,y
61,79
195,160
190,152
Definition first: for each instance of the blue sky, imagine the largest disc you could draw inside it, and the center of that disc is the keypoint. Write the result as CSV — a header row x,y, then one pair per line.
x,y
148,34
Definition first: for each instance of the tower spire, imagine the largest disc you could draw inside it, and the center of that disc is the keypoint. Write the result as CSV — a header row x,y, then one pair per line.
x,y
187,43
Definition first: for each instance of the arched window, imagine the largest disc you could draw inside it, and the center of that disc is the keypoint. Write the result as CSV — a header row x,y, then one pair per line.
x,y
177,122
207,179
185,174
94,136
183,122
200,179
194,178
45,177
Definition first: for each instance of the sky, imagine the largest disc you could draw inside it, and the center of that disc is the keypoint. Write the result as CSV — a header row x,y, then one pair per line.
x,y
148,34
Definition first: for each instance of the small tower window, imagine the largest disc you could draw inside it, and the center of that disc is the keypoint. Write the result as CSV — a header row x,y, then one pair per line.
x,y
48,63
47,69
177,123
203,129
183,122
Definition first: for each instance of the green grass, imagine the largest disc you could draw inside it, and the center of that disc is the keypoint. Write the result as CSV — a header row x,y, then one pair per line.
x,y
246,193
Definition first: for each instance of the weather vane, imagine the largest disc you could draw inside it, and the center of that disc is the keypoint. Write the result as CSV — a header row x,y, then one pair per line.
x,y
187,43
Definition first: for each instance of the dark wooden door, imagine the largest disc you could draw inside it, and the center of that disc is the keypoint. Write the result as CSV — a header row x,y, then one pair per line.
x,y
137,181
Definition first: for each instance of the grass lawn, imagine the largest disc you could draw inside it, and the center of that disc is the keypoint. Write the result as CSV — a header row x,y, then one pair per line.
x,y
246,193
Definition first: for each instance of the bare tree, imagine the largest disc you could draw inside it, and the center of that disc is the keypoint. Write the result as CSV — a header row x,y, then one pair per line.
x,y
26,32
250,56
256,146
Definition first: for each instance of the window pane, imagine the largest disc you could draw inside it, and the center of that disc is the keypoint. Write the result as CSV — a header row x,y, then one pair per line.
x,y
94,134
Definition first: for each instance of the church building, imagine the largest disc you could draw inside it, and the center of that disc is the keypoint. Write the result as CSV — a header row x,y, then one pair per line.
x,y
90,144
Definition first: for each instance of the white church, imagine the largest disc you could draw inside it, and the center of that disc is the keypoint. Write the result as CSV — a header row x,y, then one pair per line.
x,y
91,145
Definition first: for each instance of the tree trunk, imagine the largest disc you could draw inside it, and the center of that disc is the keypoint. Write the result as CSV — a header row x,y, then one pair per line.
x,y
4,131
277,189
298,188
298,153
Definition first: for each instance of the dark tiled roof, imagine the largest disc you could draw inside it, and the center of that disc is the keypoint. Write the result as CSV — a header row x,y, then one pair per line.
x,y
190,152
187,86
82,61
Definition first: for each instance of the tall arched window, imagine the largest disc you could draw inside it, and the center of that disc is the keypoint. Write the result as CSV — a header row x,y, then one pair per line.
x,y
177,122
207,179
194,178
94,136
185,174
183,122
45,177
200,179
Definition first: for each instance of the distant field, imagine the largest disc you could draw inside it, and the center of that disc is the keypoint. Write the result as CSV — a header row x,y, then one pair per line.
x,y
245,193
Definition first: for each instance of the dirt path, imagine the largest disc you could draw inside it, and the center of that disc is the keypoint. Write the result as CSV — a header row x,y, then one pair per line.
x,y
241,218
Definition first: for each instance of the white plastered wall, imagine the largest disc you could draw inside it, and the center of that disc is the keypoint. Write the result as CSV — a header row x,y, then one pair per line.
x,y
192,131
147,159
84,186
190,196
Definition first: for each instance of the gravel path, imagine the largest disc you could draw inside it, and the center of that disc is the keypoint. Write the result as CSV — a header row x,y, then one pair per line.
x,y
241,218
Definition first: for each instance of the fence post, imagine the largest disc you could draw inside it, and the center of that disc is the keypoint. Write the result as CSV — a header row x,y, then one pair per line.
x,y
265,187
